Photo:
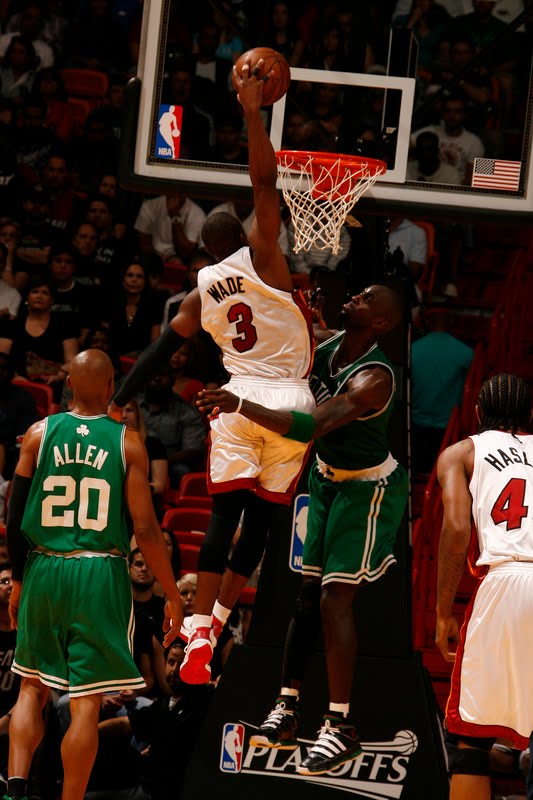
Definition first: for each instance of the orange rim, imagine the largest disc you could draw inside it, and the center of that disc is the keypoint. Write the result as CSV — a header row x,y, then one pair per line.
x,y
320,159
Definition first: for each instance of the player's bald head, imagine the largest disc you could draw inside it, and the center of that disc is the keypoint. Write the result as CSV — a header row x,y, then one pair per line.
x,y
91,375
390,305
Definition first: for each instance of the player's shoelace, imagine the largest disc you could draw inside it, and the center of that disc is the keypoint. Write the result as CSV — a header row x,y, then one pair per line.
x,y
278,716
328,743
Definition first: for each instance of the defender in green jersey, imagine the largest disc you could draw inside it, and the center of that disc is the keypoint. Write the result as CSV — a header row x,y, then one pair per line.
x,y
357,496
71,598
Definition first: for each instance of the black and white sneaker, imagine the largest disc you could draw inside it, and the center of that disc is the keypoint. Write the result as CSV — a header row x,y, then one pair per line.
x,y
280,729
337,743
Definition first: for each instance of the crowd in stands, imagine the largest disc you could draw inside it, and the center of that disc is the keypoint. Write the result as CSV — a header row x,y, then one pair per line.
x,y
84,263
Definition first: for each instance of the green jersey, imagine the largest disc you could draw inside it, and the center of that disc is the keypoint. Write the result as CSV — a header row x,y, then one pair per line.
x,y
77,495
362,443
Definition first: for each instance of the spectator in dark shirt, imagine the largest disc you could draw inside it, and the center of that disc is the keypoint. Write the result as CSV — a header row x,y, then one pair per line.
x,y
34,141
9,682
42,343
197,126
85,242
145,603
17,413
132,315
48,88
228,147
157,454
176,424
70,297
37,238
110,251
170,726
64,202
95,41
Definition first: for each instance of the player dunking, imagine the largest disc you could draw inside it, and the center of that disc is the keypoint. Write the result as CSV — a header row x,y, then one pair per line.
x,y
487,479
75,474
245,301
357,495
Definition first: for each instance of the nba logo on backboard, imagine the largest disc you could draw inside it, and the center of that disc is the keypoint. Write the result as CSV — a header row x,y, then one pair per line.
x,y
168,139
299,530
232,746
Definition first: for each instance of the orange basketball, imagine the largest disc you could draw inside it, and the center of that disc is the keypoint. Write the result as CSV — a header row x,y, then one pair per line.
x,y
278,83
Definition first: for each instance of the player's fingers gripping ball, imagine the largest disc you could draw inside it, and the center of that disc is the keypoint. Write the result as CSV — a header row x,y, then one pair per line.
x,y
267,65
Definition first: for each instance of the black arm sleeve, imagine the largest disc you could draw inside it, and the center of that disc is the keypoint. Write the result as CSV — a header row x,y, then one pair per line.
x,y
17,544
148,362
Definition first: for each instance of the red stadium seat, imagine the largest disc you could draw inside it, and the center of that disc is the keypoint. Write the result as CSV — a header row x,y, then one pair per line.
x,y
189,558
186,519
42,394
88,83
194,483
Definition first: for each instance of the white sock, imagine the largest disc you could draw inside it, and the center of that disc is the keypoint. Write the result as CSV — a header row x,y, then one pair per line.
x,y
201,621
221,613
286,692
340,708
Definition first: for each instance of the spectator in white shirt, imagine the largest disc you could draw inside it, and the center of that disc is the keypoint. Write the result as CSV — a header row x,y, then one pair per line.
x,y
305,260
170,226
458,147
31,25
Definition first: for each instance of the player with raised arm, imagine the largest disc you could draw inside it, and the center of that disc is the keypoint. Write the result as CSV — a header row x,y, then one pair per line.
x,y
246,302
357,496
71,598
487,480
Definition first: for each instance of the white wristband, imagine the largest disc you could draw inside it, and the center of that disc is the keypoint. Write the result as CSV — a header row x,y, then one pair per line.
x,y
239,405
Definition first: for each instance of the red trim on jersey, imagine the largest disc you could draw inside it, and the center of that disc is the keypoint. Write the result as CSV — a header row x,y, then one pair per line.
x,y
301,302
231,486
454,723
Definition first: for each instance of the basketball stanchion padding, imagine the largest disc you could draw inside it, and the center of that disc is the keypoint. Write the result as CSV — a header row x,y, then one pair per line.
x,y
320,189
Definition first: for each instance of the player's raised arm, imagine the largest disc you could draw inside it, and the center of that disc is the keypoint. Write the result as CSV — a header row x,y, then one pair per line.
x,y
369,390
148,533
184,325
269,261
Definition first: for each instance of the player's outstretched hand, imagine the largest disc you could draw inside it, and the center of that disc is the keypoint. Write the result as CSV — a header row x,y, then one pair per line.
x,y
172,621
215,401
14,602
250,85
447,631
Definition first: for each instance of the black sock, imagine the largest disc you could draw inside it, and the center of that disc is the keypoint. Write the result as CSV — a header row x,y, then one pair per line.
x,y
16,788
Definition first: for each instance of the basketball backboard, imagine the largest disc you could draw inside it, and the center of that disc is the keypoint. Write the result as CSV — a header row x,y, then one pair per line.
x,y
330,111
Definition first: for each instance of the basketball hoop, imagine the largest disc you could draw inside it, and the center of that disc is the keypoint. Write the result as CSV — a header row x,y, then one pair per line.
x,y
320,189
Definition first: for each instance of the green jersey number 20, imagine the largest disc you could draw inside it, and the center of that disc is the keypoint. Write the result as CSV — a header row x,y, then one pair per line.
x,y
55,509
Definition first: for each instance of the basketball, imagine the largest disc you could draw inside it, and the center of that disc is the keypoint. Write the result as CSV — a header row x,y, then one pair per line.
x,y
278,83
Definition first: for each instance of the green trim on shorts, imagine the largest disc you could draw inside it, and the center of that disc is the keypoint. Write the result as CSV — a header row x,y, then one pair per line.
x,y
352,527
76,624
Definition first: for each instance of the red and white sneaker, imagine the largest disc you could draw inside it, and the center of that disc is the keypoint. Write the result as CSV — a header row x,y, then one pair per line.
x,y
186,628
195,668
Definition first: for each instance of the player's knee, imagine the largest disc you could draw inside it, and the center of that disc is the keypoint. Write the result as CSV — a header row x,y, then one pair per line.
x,y
246,555
468,756
336,598
308,600
215,547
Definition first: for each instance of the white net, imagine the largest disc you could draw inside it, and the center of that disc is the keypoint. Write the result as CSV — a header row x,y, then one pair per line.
x,y
319,196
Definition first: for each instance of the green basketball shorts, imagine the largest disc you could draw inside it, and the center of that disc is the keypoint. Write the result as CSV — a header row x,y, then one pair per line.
x,y
352,526
75,624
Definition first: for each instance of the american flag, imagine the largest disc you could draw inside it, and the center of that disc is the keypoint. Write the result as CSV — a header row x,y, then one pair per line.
x,y
490,173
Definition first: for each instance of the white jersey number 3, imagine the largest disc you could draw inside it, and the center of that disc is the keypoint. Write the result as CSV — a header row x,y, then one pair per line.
x,y
70,491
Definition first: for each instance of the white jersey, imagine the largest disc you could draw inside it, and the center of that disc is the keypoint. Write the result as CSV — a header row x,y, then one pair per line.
x,y
502,496
261,331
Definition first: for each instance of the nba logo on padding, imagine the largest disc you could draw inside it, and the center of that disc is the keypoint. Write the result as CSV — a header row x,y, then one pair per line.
x,y
168,138
232,746
299,530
